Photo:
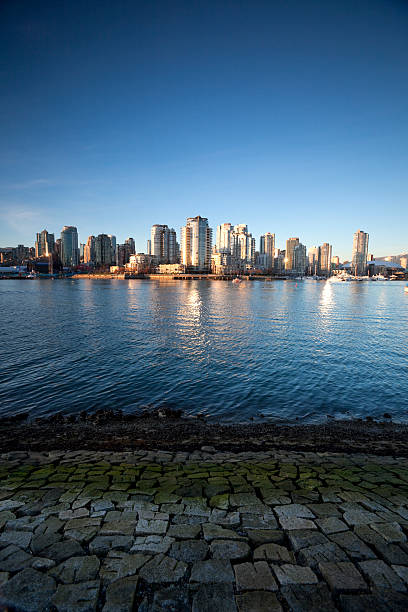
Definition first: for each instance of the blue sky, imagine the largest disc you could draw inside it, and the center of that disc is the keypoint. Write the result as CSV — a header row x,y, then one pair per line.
x,y
290,116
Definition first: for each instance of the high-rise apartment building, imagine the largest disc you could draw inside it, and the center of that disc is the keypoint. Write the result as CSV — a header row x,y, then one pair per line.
x,y
163,243
224,240
360,251
314,261
69,246
325,259
104,251
113,248
196,238
404,262
290,246
45,244
299,260
130,242
243,245
267,248
89,250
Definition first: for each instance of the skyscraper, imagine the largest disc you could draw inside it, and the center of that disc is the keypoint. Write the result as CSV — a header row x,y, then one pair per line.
x,y
196,239
163,242
69,246
325,259
103,250
299,260
243,245
45,244
267,247
290,246
314,260
113,248
130,242
223,243
89,250
360,251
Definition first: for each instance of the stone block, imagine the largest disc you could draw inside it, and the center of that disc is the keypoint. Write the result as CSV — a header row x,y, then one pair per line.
x,y
322,553
82,597
308,598
258,601
76,569
189,551
275,553
119,564
152,544
163,569
29,590
305,537
342,577
101,545
212,570
229,549
212,597
294,574
120,595
254,577
381,576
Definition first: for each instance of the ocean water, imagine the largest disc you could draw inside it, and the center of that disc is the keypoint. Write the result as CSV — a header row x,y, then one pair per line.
x,y
281,351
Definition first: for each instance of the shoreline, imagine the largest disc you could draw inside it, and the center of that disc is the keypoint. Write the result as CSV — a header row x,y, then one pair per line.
x,y
106,430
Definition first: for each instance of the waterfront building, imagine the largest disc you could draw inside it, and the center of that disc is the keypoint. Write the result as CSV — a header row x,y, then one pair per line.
x,y
45,244
131,244
360,251
224,262
279,261
404,262
104,250
69,246
196,237
149,247
299,260
172,268
163,243
89,250
142,263
335,261
224,237
325,259
385,268
113,248
267,247
243,245
314,261
291,243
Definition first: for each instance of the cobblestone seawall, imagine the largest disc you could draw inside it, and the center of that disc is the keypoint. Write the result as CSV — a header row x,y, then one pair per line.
x,y
208,530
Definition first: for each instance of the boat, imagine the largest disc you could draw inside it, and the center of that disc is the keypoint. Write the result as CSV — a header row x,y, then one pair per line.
x,y
406,288
236,281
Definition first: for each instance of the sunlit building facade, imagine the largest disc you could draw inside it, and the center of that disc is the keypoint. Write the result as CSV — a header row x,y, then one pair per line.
x,y
163,241
69,246
196,238
360,251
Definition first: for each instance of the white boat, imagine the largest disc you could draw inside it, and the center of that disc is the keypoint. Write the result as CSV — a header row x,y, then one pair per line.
x,y
237,281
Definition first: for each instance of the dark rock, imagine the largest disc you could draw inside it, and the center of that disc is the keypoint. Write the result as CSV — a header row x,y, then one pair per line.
x,y
29,591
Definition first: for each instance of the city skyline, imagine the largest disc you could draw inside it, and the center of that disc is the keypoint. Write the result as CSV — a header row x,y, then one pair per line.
x,y
222,235
292,112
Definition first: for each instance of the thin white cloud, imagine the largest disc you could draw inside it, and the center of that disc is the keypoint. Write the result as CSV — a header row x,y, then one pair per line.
x,y
17,217
40,182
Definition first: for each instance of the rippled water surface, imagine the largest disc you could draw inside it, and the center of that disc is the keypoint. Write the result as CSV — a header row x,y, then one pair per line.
x,y
285,350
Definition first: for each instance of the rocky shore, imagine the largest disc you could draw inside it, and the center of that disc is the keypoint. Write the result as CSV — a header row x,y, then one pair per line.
x,y
168,430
